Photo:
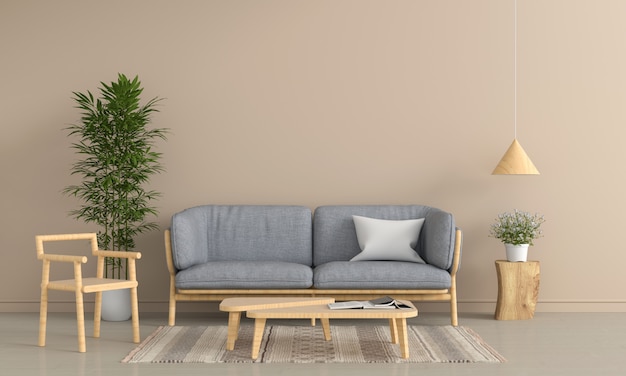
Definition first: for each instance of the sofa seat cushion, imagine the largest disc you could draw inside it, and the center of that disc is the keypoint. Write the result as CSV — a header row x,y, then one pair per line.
x,y
379,275
245,275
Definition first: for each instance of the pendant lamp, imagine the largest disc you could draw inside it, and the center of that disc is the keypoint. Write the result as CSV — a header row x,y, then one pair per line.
x,y
515,161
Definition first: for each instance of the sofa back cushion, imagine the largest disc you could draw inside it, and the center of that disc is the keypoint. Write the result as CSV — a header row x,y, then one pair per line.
x,y
241,233
335,239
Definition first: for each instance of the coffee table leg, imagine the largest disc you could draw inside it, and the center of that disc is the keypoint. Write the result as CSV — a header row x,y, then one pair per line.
x,y
403,337
259,328
326,326
233,329
393,328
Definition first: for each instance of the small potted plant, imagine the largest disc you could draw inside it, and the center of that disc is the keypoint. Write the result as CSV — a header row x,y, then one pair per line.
x,y
517,230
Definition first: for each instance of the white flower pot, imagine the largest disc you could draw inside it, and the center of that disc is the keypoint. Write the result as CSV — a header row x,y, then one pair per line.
x,y
116,305
516,253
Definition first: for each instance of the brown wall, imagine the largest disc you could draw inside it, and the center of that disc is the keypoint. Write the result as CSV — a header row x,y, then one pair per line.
x,y
335,102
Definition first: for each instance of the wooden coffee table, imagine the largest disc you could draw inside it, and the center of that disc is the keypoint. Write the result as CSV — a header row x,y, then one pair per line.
x,y
235,306
397,320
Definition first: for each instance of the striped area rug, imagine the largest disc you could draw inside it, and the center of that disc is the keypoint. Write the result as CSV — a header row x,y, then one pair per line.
x,y
306,344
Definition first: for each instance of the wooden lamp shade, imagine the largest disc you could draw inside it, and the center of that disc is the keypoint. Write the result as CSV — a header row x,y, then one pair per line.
x,y
515,162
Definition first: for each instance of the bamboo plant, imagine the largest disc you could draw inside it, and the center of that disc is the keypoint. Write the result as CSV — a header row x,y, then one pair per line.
x,y
117,160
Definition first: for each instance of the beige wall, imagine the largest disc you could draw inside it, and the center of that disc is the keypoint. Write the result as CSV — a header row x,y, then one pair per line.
x,y
335,102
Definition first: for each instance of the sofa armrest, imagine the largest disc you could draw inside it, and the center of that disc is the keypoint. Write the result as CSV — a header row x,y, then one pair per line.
x,y
438,239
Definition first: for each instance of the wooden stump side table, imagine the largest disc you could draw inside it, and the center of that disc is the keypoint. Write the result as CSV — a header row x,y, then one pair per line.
x,y
518,287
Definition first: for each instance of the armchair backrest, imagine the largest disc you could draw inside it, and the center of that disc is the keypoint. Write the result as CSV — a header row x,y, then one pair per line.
x,y
40,239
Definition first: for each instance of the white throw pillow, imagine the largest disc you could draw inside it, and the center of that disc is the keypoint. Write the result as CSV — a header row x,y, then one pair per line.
x,y
382,239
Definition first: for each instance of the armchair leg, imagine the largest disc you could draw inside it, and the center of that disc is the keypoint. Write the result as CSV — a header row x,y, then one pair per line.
x,y
80,318
135,314
97,315
43,316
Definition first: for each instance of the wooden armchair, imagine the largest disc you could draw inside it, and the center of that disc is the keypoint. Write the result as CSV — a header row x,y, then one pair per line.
x,y
80,285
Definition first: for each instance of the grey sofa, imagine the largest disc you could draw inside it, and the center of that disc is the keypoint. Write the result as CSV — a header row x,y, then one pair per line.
x,y
219,251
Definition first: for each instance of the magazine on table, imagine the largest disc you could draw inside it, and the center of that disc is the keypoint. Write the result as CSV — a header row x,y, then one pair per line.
x,y
386,302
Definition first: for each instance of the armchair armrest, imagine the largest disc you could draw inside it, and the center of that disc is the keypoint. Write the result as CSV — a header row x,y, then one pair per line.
x,y
118,254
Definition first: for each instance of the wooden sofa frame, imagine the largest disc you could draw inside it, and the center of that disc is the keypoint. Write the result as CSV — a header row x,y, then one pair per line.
x,y
196,295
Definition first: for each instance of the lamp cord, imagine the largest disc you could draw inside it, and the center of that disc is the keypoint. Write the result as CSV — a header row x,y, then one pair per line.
x,y
515,73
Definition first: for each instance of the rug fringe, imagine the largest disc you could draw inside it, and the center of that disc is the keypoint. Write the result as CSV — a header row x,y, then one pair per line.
x,y
140,347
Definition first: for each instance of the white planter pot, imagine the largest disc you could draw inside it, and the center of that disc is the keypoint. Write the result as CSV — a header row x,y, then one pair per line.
x,y
116,305
516,253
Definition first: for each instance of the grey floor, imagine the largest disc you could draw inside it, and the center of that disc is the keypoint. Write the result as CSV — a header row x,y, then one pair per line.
x,y
550,344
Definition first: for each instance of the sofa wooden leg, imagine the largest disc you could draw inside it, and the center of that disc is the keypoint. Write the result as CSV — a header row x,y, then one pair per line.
x,y
171,321
453,310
